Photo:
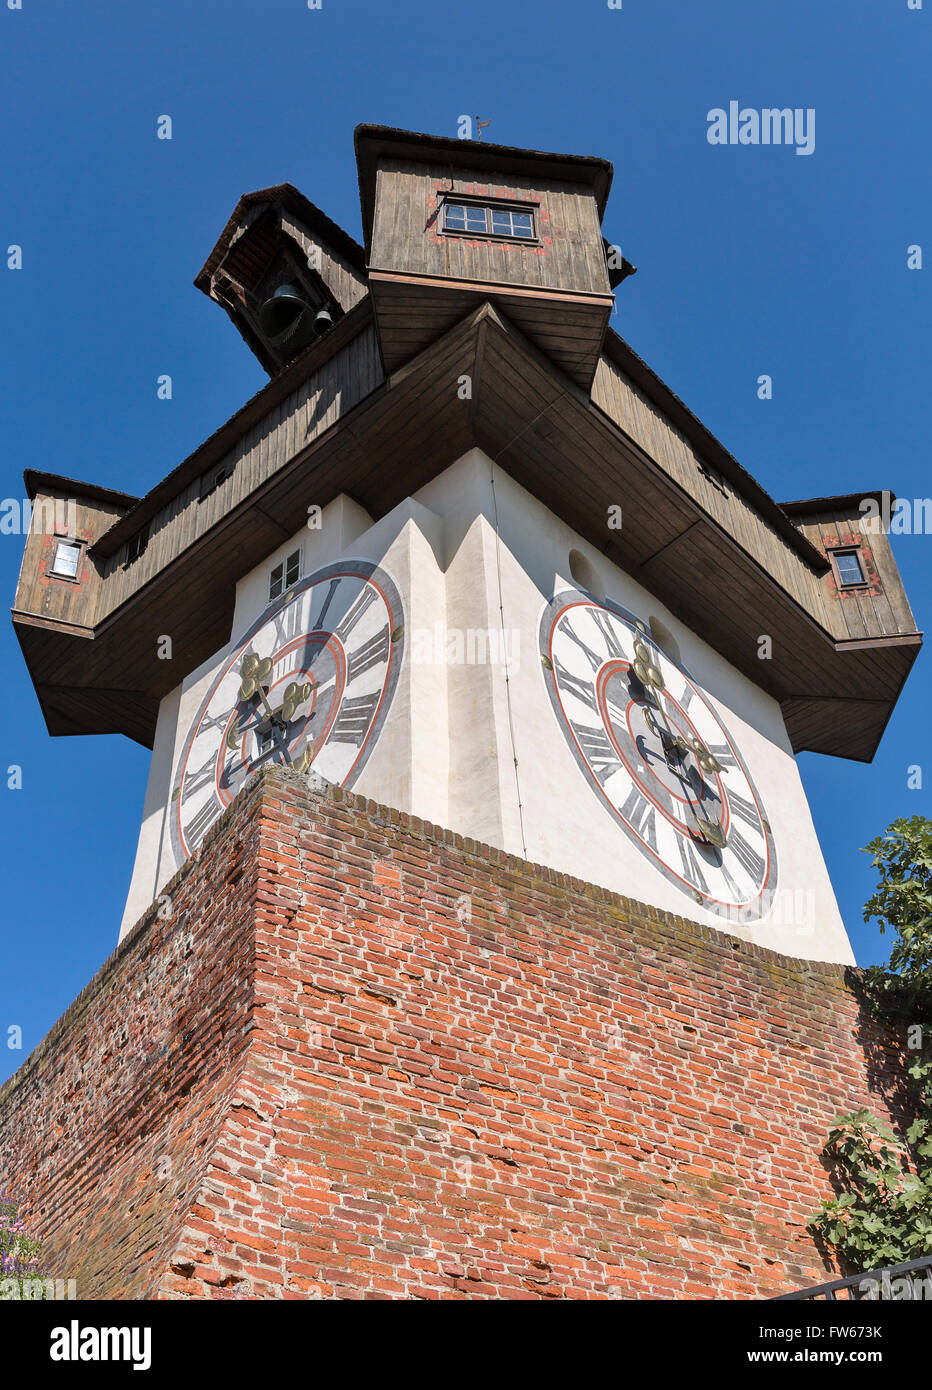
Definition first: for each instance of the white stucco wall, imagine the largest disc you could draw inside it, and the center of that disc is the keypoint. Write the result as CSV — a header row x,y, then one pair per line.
x,y
467,560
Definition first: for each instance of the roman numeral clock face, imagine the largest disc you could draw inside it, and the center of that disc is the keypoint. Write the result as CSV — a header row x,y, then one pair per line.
x,y
661,762
309,686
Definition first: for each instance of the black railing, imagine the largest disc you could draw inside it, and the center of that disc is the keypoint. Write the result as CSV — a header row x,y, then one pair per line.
x,y
893,1282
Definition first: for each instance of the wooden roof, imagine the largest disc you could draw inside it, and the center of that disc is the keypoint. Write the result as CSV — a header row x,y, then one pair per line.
x,y
53,483
836,696
229,434
286,195
691,539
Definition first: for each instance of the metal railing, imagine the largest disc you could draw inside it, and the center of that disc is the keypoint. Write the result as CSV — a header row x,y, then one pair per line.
x,y
880,1284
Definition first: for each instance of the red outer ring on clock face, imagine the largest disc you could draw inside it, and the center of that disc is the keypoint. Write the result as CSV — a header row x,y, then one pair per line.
x,y
394,611
567,727
604,675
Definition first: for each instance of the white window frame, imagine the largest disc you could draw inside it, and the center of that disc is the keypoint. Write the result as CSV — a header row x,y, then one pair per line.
x,y
282,565
76,547
265,733
488,206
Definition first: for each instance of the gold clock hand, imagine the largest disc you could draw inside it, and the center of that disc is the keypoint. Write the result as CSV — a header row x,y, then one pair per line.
x,y
304,759
710,830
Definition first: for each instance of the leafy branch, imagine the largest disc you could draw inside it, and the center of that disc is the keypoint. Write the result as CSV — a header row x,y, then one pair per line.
x,y
883,1214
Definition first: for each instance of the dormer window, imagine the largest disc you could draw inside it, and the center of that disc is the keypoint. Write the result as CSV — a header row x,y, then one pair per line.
x,y
502,221
284,574
215,477
849,571
137,544
65,561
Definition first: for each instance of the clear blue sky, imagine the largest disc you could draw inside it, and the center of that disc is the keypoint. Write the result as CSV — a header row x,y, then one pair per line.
x,y
751,260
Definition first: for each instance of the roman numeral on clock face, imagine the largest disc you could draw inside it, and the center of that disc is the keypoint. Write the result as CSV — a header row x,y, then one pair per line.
x,y
723,754
322,615
214,721
196,781
604,623
288,622
640,815
686,697
360,605
692,865
199,824
583,690
371,653
735,894
745,810
354,719
593,658
597,749
746,856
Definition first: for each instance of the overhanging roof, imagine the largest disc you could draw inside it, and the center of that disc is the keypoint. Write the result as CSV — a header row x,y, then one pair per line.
x,y
848,502
836,696
37,481
231,431
313,218
706,444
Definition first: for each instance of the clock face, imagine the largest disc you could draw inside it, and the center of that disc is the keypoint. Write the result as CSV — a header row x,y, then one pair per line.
x,y
662,763
309,685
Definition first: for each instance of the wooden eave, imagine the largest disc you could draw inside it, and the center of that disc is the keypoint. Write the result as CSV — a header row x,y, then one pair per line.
x,y
231,432
412,310
53,484
705,443
848,502
530,419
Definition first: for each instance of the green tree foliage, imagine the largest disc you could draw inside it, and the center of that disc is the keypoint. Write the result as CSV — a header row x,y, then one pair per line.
x,y
883,1214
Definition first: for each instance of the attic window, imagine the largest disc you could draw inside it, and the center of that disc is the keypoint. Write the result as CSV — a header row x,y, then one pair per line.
x,y
137,544
285,574
212,479
849,571
713,476
498,220
65,562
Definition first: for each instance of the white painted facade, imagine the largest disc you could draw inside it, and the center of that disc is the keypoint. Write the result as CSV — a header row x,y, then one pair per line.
x,y
476,560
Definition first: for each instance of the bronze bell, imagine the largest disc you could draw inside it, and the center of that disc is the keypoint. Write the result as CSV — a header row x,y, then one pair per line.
x,y
282,313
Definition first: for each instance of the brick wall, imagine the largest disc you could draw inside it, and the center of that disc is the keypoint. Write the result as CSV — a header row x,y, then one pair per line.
x,y
358,1056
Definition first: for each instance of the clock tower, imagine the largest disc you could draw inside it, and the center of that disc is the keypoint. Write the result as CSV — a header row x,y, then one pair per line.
x,y
476,888
467,555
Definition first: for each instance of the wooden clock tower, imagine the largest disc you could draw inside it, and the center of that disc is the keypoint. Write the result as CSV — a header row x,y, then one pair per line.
x,y
465,553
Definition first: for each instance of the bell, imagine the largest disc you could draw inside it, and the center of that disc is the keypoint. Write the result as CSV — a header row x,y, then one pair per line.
x,y
282,312
322,321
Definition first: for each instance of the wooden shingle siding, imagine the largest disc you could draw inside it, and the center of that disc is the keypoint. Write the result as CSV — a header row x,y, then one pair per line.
x,y
406,232
38,592
880,610
346,283
308,412
555,287
639,417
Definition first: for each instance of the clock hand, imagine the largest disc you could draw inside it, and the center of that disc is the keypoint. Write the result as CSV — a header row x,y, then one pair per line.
x,y
675,750
650,675
254,671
